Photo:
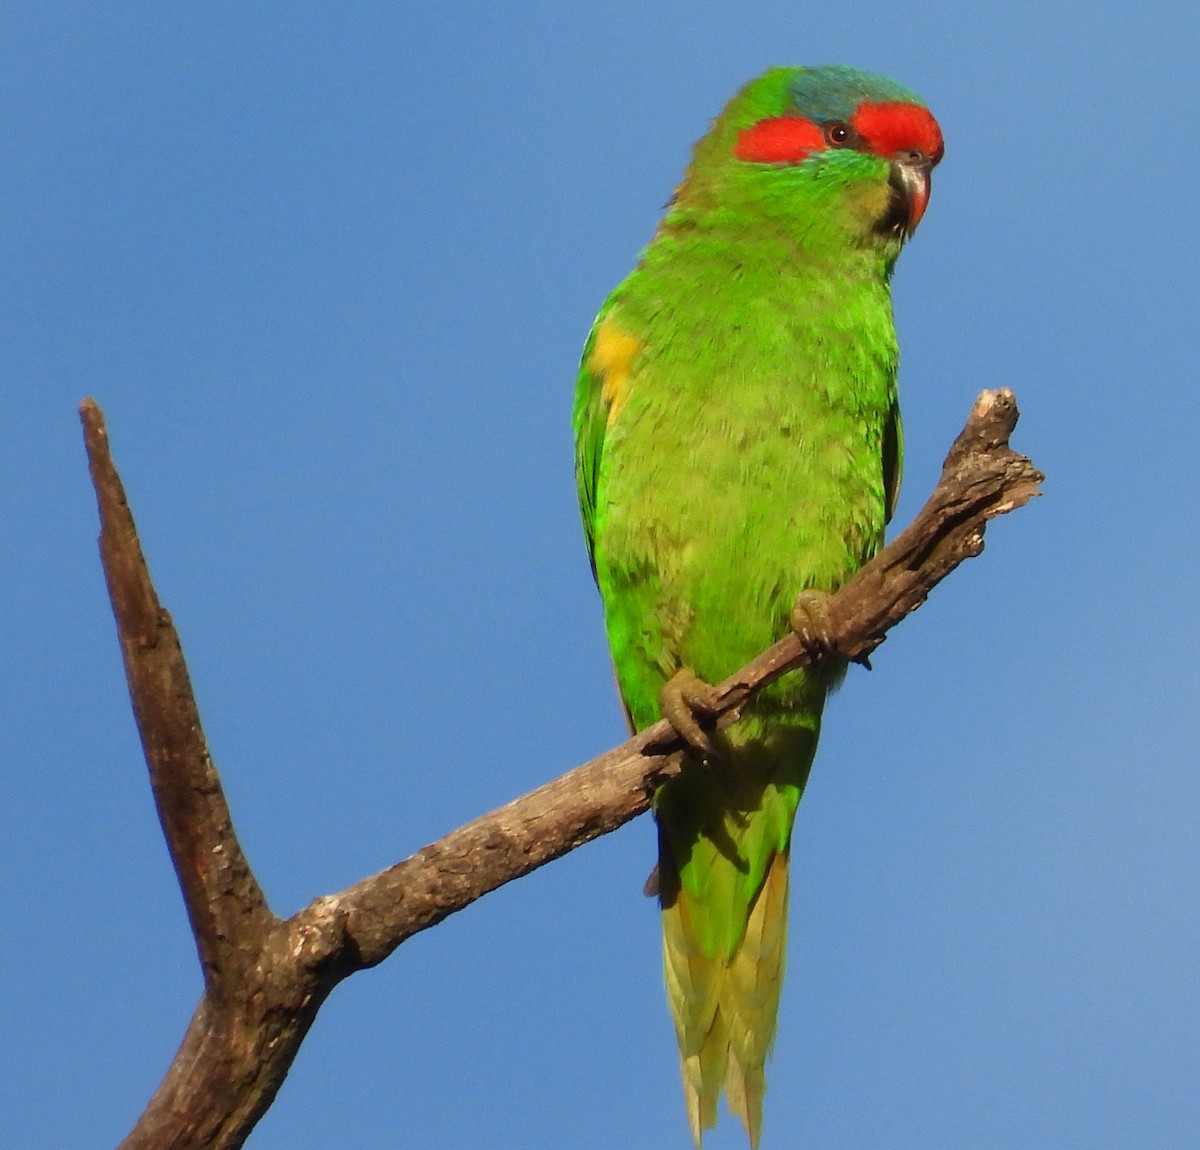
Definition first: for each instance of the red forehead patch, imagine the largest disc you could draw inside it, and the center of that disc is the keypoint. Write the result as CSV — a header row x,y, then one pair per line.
x,y
893,127
783,140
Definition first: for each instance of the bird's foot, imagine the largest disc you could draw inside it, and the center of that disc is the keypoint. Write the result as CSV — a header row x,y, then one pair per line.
x,y
652,887
811,621
688,704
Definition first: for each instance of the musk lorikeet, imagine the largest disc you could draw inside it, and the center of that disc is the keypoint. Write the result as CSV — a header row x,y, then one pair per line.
x,y
738,442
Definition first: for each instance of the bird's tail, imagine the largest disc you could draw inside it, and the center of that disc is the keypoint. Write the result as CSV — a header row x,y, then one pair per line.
x,y
725,1005
724,832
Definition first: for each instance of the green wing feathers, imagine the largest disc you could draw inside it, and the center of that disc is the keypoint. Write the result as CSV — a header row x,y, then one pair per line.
x,y
589,419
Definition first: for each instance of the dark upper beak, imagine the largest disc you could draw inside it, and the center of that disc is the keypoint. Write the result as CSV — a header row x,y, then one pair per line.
x,y
910,182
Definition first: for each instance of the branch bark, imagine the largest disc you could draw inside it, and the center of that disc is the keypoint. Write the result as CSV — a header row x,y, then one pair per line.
x,y
265,978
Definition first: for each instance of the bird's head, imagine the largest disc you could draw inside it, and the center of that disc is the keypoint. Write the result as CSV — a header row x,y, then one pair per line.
x,y
832,152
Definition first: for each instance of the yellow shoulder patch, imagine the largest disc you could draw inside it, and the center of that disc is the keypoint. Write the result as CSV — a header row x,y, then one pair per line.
x,y
611,360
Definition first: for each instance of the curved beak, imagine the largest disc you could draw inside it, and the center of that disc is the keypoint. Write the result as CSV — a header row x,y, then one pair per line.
x,y
910,182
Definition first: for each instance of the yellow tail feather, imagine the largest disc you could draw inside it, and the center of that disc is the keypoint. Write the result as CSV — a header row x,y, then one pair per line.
x,y
725,1008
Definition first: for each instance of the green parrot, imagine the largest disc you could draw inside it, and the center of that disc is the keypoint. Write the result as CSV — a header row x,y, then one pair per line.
x,y
738,454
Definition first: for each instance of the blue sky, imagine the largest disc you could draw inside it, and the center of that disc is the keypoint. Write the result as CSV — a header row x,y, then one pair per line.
x,y
328,273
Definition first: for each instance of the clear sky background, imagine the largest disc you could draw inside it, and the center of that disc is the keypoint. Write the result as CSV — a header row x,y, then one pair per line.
x,y
328,268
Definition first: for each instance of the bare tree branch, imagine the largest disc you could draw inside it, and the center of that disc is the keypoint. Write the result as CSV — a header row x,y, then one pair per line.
x,y
266,978
222,896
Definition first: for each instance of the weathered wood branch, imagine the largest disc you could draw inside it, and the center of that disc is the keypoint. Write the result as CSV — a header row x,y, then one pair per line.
x,y
265,977
222,896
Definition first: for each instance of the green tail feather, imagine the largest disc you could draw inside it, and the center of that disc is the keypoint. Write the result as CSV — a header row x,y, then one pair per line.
x,y
725,1008
723,857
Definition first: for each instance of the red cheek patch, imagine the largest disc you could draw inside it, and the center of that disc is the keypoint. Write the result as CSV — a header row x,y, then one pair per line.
x,y
785,140
892,127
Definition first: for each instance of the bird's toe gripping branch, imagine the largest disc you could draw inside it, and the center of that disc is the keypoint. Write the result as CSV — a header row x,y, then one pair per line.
x,y
813,623
688,703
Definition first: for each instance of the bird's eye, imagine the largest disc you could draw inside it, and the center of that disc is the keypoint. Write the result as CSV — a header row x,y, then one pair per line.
x,y
837,134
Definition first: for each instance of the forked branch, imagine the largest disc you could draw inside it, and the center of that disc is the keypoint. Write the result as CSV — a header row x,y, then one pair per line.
x,y
266,977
